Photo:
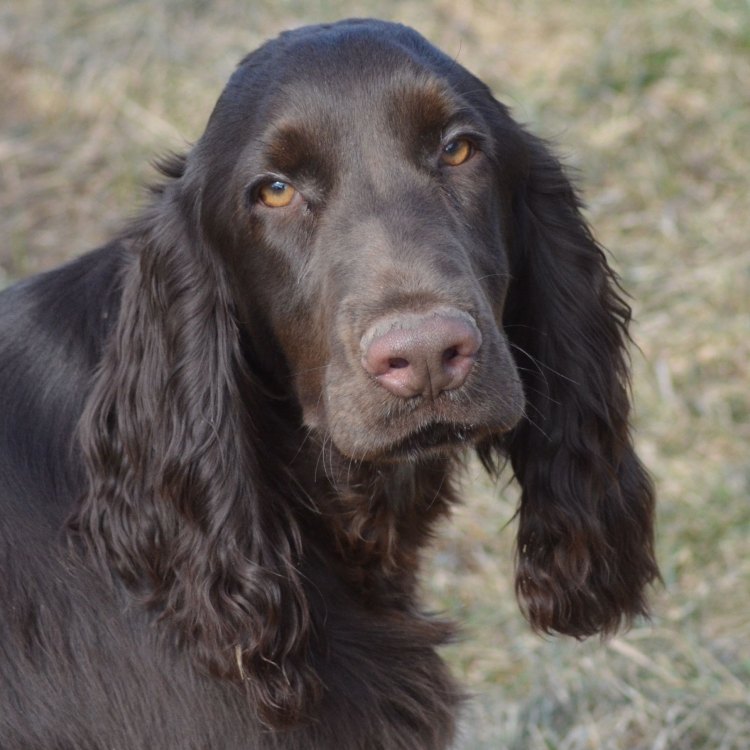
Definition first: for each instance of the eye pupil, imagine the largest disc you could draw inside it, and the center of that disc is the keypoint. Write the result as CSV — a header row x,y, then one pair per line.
x,y
457,152
276,194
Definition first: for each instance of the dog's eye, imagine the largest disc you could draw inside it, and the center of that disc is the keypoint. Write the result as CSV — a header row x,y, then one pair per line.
x,y
457,152
276,194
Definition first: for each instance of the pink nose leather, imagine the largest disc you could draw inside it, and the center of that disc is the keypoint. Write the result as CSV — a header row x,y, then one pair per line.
x,y
421,353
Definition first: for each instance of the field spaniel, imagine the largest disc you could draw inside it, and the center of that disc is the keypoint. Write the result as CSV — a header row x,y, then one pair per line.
x,y
227,435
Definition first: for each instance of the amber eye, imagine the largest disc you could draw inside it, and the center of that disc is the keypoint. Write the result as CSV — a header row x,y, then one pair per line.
x,y
456,152
276,194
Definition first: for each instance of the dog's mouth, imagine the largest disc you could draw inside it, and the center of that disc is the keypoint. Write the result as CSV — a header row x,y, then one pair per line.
x,y
431,441
367,424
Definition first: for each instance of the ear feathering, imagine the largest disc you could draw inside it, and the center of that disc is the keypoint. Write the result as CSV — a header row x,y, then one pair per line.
x,y
585,538
175,502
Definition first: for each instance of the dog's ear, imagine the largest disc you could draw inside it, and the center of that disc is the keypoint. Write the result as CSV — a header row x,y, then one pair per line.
x,y
585,539
174,502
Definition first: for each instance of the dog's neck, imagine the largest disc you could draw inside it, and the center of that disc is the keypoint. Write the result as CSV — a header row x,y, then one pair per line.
x,y
376,518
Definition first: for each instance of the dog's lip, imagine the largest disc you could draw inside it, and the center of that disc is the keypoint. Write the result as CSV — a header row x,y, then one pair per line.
x,y
436,434
430,440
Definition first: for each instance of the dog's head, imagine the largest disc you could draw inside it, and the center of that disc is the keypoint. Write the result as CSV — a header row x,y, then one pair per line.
x,y
364,203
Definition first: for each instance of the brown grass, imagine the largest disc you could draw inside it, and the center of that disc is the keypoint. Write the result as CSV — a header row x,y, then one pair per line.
x,y
652,103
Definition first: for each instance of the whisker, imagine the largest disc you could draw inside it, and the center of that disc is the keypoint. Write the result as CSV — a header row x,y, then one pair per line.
x,y
541,365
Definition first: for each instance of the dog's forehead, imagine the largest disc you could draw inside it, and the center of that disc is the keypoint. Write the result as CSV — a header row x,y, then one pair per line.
x,y
371,101
347,67
379,99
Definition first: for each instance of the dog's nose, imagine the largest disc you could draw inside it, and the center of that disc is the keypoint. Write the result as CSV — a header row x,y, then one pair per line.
x,y
421,353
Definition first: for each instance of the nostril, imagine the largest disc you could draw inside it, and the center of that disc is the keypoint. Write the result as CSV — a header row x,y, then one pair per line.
x,y
450,354
397,363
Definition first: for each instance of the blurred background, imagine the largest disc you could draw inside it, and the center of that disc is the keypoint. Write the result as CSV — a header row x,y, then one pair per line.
x,y
649,102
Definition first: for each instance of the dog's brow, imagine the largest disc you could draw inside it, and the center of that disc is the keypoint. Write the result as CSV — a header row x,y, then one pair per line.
x,y
290,145
428,105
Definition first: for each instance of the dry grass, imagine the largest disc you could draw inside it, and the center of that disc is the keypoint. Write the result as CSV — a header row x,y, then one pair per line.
x,y
652,102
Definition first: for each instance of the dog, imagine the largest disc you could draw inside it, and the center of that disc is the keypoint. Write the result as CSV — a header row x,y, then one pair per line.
x,y
227,435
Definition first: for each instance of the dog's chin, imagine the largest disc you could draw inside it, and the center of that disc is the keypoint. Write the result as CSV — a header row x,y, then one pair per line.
x,y
429,442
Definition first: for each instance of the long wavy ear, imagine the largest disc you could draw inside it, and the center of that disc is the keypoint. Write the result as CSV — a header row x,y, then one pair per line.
x,y
174,501
585,538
